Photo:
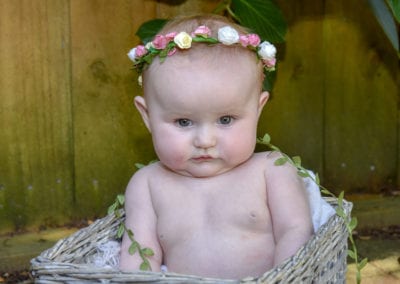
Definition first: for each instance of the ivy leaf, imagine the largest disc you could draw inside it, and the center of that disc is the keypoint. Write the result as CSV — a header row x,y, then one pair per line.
x,y
340,199
145,266
130,235
112,208
133,248
340,212
303,174
317,180
353,223
120,231
363,263
358,276
147,252
266,139
149,29
139,165
121,199
297,161
281,161
326,192
262,16
351,254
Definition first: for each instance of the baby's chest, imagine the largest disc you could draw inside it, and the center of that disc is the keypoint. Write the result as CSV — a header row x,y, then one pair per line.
x,y
223,211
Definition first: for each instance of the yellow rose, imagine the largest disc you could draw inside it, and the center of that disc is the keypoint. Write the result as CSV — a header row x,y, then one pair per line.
x,y
183,40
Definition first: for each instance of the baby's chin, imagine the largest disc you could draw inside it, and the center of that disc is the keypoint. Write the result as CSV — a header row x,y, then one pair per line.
x,y
202,172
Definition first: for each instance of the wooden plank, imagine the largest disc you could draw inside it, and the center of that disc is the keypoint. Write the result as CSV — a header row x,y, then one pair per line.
x,y
109,135
66,92
361,100
168,10
36,178
294,114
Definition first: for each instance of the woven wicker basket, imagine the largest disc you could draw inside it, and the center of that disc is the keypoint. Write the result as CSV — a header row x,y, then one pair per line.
x,y
321,260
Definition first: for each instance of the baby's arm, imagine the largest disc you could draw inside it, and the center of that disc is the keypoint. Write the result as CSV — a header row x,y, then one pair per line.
x,y
142,221
288,204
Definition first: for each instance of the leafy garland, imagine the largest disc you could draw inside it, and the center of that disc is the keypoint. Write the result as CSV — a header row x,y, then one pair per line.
x,y
135,247
350,224
295,161
262,17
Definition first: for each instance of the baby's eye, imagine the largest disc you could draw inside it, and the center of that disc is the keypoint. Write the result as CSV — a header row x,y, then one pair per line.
x,y
184,122
225,120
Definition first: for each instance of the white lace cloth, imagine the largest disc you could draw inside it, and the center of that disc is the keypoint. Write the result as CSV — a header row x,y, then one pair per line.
x,y
107,255
321,210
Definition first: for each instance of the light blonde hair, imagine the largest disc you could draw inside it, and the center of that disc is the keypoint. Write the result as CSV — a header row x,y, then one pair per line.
x,y
214,53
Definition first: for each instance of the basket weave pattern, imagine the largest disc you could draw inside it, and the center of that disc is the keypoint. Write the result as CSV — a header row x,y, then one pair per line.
x,y
321,260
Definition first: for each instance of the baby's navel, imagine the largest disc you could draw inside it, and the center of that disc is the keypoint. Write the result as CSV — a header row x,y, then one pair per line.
x,y
253,215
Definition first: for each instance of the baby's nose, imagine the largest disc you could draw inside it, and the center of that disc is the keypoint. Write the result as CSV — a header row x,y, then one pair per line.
x,y
205,137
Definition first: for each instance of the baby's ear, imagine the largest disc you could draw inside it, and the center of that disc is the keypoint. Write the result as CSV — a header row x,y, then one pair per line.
x,y
141,106
264,96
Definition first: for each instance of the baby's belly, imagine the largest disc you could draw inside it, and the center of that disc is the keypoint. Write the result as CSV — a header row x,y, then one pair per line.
x,y
225,253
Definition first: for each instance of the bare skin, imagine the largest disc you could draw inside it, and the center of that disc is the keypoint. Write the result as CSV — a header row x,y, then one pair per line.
x,y
224,226
211,207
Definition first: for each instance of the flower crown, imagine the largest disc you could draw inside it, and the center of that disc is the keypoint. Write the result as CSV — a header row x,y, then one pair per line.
x,y
167,45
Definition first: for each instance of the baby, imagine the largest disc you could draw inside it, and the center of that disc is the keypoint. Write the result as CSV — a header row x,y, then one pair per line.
x,y
210,206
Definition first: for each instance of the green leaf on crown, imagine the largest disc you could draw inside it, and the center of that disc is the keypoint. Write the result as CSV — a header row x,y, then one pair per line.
x,y
149,29
263,16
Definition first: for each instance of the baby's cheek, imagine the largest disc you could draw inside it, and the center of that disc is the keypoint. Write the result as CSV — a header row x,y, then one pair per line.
x,y
240,148
172,156
175,160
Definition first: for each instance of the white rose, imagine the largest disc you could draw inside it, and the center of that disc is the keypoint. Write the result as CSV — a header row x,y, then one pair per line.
x,y
228,35
183,40
149,45
132,54
140,80
266,50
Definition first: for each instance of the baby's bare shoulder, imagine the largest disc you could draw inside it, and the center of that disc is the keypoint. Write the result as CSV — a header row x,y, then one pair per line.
x,y
268,162
140,179
147,171
266,158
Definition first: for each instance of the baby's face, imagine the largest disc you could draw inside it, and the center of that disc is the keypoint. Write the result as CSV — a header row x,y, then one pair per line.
x,y
203,118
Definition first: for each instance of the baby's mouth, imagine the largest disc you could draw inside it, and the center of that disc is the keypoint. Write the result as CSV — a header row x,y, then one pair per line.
x,y
203,158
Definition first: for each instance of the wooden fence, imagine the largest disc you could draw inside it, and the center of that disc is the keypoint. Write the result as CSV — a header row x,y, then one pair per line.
x,y
70,135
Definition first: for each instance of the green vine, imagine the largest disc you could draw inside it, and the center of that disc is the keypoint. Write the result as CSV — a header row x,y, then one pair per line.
x,y
350,224
295,161
135,247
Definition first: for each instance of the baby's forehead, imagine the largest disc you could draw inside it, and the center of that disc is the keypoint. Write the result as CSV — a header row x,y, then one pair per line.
x,y
226,59
214,55
182,76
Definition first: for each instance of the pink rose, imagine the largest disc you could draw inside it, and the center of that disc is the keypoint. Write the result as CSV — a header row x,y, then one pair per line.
x,y
250,39
244,40
172,52
160,42
269,62
202,31
254,40
170,36
140,51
